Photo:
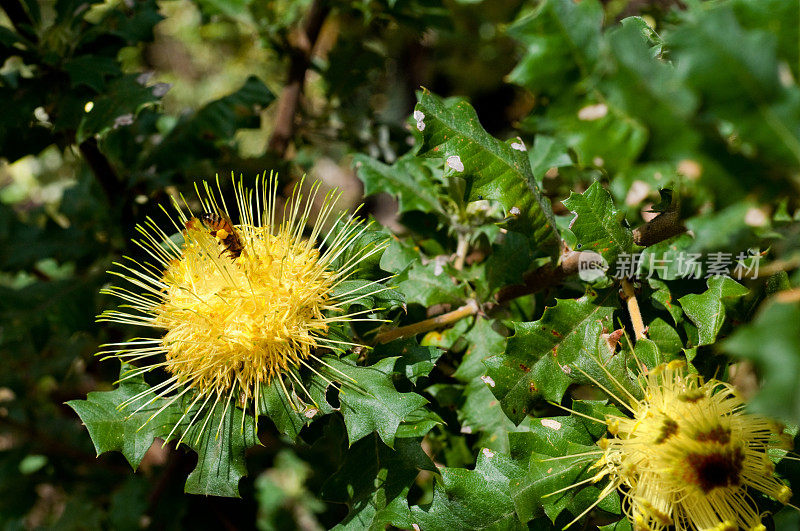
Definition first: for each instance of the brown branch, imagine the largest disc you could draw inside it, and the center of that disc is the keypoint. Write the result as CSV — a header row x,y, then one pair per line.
x,y
660,228
299,61
102,169
471,308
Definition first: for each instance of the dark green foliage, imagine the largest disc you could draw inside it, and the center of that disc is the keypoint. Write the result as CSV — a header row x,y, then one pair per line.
x,y
509,133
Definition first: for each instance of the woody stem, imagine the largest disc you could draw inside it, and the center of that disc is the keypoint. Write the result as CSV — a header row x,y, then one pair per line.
x,y
633,309
471,308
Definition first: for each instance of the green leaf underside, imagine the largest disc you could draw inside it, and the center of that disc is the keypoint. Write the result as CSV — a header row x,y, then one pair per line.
x,y
493,169
541,355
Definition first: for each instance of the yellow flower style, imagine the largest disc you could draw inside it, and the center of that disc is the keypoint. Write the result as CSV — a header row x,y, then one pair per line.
x,y
238,307
689,455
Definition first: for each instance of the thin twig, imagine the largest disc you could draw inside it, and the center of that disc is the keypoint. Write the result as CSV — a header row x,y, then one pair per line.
x,y
461,251
471,308
299,61
633,309
664,226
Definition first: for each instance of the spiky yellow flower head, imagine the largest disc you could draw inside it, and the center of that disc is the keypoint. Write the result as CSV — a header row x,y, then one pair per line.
x,y
238,307
689,455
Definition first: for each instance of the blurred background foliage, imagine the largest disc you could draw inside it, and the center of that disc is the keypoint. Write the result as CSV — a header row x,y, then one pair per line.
x,y
110,108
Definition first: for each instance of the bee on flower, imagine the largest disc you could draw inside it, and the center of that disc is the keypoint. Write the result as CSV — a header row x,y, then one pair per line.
x,y
237,308
687,456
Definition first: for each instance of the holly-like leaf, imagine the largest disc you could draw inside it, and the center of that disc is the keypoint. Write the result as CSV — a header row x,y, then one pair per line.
x,y
473,499
369,400
374,481
663,296
772,343
597,223
493,169
747,93
548,152
274,404
562,43
430,284
415,360
649,88
511,258
220,447
219,434
112,429
540,355
707,310
368,294
483,342
532,450
410,180
481,414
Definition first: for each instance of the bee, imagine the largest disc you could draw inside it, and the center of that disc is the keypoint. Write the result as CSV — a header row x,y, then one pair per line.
x,y
221,227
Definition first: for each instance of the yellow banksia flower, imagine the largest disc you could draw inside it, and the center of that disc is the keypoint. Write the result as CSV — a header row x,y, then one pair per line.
x,y
237,308
688,457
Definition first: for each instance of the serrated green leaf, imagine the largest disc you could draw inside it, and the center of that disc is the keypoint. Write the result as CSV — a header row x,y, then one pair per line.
x,y
562,41
736,71
539,356
707,310
220,448
472,499
274,404
772,343
368,294
484,342
369,400
663,296
511,257
598,132
90,70
548,152
414,360
409,180
648,88
113,430
219,435
418,423
597,223
431,284
118,105
374,481
481,414
493,169
555,437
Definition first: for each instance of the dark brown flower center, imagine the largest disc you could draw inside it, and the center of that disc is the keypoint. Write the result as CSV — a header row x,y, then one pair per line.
x,y
720,468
